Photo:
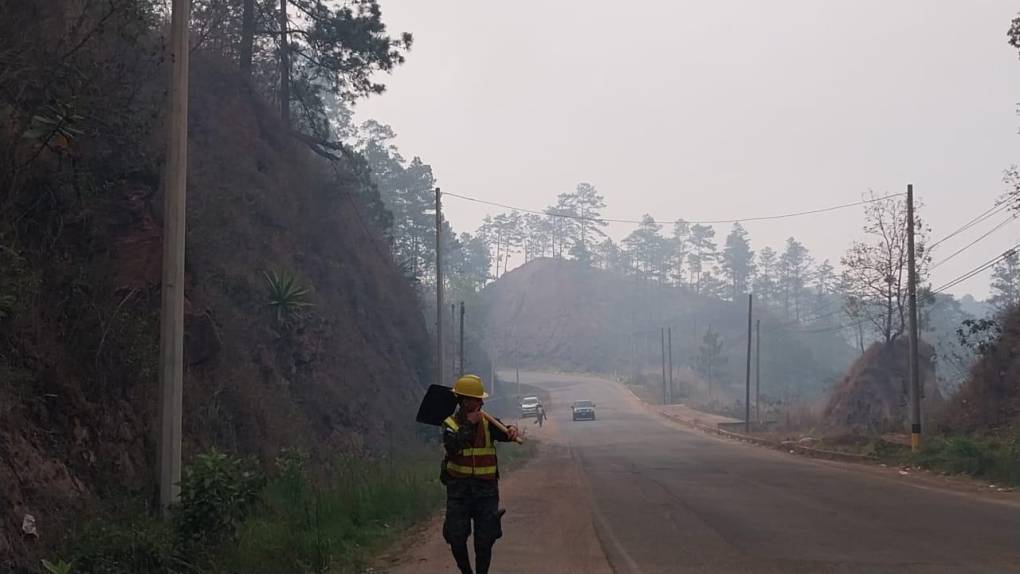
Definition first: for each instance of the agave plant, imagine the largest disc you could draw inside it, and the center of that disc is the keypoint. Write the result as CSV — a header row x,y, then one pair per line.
x,y
286,296
60,567
55,127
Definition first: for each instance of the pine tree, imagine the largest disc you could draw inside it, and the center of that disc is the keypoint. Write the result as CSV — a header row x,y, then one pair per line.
x,y
1006,283
710,357
765,278
794,271
738,261
679,245
702,252
583,222
647,249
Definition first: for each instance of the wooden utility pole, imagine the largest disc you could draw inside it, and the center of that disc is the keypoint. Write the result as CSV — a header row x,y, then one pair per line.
x,y
914,363
517,366
452,347
663,336
461,353
757,370
284,65
171,332
439,288
669,355
747,380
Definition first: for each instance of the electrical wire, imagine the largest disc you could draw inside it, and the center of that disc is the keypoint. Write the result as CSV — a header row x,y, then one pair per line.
x,y
973,243
702,222
995,209
948,285
961,278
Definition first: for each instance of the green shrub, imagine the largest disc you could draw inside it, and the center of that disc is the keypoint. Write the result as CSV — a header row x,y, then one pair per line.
x,y
127,543
992,459
218,492
362,505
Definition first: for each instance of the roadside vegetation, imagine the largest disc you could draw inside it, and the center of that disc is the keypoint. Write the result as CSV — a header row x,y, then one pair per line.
x,y
234,518
992,458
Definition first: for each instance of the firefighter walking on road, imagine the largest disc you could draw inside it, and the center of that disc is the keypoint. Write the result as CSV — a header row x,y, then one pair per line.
x,y
471,475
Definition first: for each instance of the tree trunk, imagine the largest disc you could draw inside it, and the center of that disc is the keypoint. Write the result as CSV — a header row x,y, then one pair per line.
x,y
499,244
247,38
284,65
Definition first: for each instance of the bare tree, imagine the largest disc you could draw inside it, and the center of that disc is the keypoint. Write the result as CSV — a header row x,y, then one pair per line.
x,y
875,272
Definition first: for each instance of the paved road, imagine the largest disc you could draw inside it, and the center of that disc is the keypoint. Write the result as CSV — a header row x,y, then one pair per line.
x,y
669,500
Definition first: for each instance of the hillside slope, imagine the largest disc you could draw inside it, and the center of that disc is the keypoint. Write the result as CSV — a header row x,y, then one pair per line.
x,y
80,249
989,401
562,314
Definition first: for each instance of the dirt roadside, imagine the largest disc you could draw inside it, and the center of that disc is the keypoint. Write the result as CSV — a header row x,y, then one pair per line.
x,y
548,526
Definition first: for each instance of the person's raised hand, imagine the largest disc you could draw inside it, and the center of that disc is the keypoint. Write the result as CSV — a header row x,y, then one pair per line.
x,y
511,432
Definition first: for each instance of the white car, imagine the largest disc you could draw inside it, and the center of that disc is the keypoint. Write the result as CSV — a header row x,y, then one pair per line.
x,y
529,406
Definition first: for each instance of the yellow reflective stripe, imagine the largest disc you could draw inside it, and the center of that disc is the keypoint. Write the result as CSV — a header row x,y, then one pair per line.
x,y
485,426
470,470
478,451
450,422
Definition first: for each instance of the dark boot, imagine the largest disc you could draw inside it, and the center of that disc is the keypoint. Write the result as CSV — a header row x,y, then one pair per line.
x,y
460,554
483,557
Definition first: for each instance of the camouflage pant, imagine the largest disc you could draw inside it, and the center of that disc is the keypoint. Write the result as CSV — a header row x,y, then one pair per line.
x,y
482,510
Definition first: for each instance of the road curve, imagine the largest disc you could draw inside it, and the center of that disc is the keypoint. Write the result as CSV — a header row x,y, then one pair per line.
x,y
665,499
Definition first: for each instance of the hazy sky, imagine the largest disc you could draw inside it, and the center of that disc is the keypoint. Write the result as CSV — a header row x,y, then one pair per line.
x,y
716,110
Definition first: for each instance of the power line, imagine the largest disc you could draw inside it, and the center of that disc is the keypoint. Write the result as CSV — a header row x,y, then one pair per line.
x,y
997,208
948,285
961,278
703,222
812,316
972,243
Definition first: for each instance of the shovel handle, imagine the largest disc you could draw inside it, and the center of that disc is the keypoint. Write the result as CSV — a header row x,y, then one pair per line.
x,y
492,421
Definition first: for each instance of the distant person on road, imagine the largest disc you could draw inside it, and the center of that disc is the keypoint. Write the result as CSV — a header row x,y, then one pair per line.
x,y
540,415
471,475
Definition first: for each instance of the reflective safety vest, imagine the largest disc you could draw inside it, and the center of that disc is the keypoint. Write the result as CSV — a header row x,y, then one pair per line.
x,y
477,460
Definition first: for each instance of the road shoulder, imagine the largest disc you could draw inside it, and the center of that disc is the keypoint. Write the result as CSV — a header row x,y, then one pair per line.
x,y
548,526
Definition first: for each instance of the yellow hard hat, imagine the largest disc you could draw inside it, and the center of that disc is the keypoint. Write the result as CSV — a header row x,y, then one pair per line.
x,y
470,386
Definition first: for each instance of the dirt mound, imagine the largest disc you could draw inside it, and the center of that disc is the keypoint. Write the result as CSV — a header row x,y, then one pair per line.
x,y
874,394
79,292
989,400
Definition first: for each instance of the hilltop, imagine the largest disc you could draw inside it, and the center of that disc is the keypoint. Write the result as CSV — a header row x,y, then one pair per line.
x,y
552,313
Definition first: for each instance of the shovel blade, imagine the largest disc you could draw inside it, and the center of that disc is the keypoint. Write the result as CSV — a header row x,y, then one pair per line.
x,y
439,402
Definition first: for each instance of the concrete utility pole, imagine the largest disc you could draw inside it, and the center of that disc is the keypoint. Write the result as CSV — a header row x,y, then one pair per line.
x,y
747,386
439,288
914,363
171,332
757,370
461,353
669,346
663,336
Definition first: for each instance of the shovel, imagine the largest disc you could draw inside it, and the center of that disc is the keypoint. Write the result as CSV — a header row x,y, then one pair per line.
x,y
440,402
